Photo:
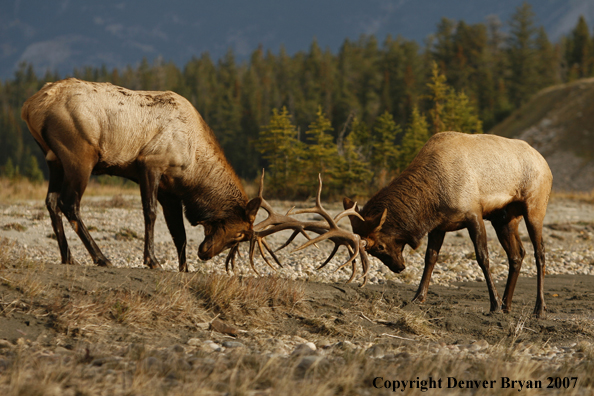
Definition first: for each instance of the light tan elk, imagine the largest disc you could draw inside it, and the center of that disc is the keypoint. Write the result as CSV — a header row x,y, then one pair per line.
x,y
156,139
456,181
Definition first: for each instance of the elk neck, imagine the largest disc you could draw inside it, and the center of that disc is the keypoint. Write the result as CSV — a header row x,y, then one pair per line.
x,y
215,194
412,200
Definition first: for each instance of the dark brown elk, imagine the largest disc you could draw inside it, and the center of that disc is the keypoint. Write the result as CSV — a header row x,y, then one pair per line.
x,y
457,181
156,139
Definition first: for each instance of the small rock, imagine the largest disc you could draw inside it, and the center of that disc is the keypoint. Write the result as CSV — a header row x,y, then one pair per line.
x,y
223,328
375,351
478,346
308,348
195,342
210,346
178,348
61,350
345,345
4,344
324,344
203,326
299,339
233,344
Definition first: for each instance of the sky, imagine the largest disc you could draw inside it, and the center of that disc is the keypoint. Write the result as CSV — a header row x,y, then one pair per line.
x,y
60,35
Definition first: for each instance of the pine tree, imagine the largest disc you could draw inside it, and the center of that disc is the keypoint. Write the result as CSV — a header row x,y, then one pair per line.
x,y
31,170
460,115
384,157
451,110
415,136
438,92
279,146
321,154
355,172
522,55
9,170
579,51
547,67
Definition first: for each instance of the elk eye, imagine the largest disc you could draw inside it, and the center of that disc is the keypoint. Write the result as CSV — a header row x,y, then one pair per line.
x,y
381,246
239,235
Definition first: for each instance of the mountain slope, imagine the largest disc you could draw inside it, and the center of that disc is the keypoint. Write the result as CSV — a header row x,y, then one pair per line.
x,y
559,123
61,35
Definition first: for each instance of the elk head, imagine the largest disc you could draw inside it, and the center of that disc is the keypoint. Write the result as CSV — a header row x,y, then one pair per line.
x,y
383,245
220,235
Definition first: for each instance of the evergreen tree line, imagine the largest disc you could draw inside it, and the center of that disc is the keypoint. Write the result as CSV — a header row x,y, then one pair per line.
x,y
356,108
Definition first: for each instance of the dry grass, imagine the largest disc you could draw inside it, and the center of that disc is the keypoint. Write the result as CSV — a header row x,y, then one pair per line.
x,y
23,189
224,293
97,311
162,371
579,196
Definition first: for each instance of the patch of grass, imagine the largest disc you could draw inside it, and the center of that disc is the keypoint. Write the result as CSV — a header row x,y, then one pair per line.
x,y
117,201
14,226
156,372
95,311
224,292
580,196
126,234
12,190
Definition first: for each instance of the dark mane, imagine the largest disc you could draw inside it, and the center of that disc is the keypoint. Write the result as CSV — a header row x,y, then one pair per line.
x,y
411,199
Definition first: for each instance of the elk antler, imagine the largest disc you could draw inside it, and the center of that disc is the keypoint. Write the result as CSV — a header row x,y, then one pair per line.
x,y
327,229
353,242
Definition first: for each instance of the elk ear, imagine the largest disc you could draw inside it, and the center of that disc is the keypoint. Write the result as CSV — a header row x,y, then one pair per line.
x,y
251,210
378,221
348,203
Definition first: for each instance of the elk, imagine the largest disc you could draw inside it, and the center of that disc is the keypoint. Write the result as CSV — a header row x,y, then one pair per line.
x,y
156,139
457,181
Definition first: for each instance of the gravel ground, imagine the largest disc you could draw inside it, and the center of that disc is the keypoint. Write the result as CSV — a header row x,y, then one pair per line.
x,y
118,227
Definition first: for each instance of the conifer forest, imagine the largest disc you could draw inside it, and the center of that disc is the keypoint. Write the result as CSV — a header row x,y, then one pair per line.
x,y
358,116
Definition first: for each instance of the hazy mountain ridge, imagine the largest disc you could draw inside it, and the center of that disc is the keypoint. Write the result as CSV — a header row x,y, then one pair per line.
x,y
61,35
558,123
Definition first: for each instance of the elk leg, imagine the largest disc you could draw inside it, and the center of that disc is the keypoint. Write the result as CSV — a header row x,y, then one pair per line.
x,y
434,243
174,217
149,184
508,236
478,234
75,182
56,178
534,226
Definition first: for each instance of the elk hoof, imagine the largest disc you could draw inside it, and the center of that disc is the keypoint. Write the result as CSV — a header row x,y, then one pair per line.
x,y
103,262
418,299
496,309
539,311
71,261
153,264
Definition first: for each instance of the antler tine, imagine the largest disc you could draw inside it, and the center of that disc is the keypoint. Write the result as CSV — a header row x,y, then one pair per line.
x,y
336,246
231,257
259,240
365,265
252,251
269,249
348,212
318,209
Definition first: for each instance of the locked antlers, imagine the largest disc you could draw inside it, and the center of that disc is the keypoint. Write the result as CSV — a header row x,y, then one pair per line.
x,y
326,228
339,236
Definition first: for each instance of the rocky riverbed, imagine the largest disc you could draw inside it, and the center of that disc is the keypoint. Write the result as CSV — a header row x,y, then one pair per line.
x,y
118,227
295,331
